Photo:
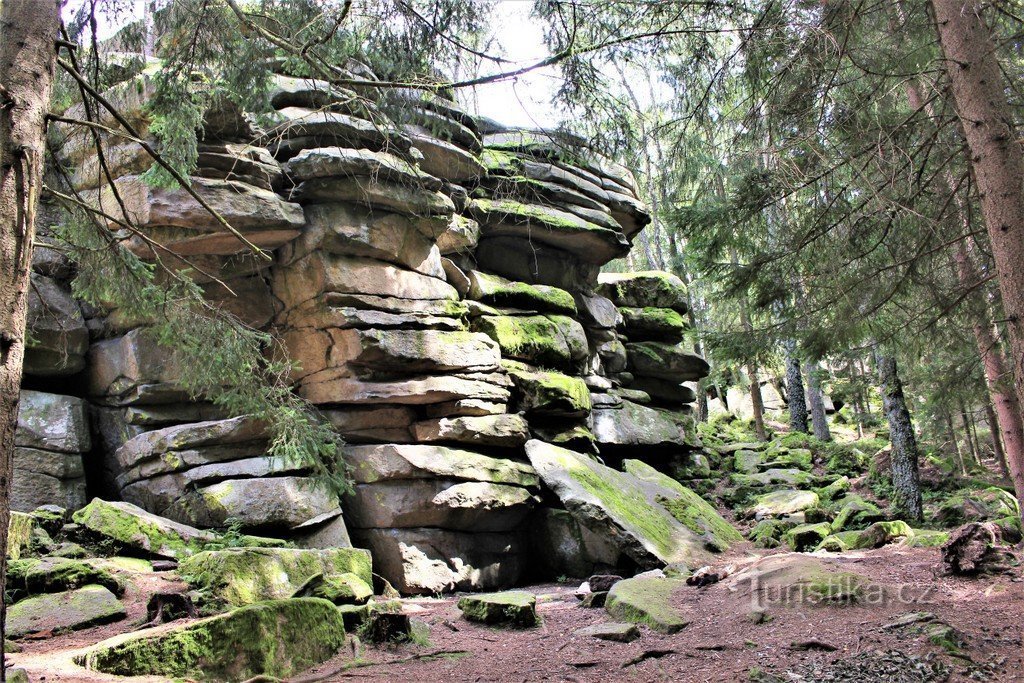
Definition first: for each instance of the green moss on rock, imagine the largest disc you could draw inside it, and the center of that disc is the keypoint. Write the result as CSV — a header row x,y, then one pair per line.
x,y
653,324
19,534
509,608
554,341
130,526
644,289
497,291
648,601
277,638
548,392
883,533
55,575
241,576
807,536
66,611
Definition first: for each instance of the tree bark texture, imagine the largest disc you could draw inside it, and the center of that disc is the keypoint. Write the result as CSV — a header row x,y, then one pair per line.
x,y
28,29
997,441
816,401
795,389
997,161
906,500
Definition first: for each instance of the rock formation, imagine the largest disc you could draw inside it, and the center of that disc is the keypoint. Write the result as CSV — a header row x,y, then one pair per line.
x,y
435,279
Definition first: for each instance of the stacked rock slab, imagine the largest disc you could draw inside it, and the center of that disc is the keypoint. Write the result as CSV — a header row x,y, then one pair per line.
x,y
435,282
50,441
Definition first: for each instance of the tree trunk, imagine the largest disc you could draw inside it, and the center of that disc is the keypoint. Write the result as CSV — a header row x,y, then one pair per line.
x,y
997,441
956,446
967,433
28,29
978,90
858,404
795,389
757,402
819,421
906,500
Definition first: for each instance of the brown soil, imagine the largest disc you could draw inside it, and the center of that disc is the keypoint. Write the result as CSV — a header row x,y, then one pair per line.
x,y
722,642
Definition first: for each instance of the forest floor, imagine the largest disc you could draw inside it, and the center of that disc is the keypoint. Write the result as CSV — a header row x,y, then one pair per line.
x,y
798,642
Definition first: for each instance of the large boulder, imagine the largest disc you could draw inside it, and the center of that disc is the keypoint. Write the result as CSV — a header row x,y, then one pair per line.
x,y
67,611
648,600
131,527
497,291
133,369
666,361
619,506
547,393
631,425
278,638
52,434
268,504
242,576
428,561
551,341
564,547
507,431
647,289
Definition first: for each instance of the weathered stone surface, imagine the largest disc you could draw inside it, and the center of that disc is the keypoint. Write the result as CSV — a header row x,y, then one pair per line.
x,y
547,393
377,194
57,339
660,360
647,289
55,575
525,261
564,547
653,324
561,229
327,162
349,229
664,391
52,422
597,311
341,589
461,235
635,425
618,505
70,610
648,601
372,424
509,608
242,576
269,503
418,561
246,435
389,462
322,272
778,503
319,534
133,369
47,478
497,291
507,431
613,631
233,161
446,504
445,160
177,221
236,646
415,391
553,341
797,579
132,527
19,534
310,128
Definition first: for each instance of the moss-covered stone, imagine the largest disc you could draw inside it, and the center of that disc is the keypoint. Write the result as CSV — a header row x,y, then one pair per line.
x,y
66,611
509,608
644,289
834,490
780,503
675,362
648,601
691,510
553,341
883,533
978,506
807,536
341,589
241,576
497,291
926,538
653,324
277,638
132,527
768,533
773,477
19,534
839,542
540,392
797,579
50,575
855,513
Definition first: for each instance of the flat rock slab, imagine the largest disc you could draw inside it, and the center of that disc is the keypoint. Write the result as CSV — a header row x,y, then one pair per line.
x,y
509,608
67,611
133,527
614,631
648,601
229,647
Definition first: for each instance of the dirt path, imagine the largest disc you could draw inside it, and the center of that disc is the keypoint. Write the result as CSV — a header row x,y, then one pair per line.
x,y
722,642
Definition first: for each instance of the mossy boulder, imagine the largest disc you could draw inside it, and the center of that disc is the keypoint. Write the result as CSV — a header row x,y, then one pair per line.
x,y
542,392
66,611
926,538
508,608
633,425
618,506
644,289
837,488
648,601
551,341
241,576
807,536
773,477
768,533
341,589
978,506
855,512
675,362
839,542
53,575
686,506
129,526
275,639
781,503
883,533
653,324
497,291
